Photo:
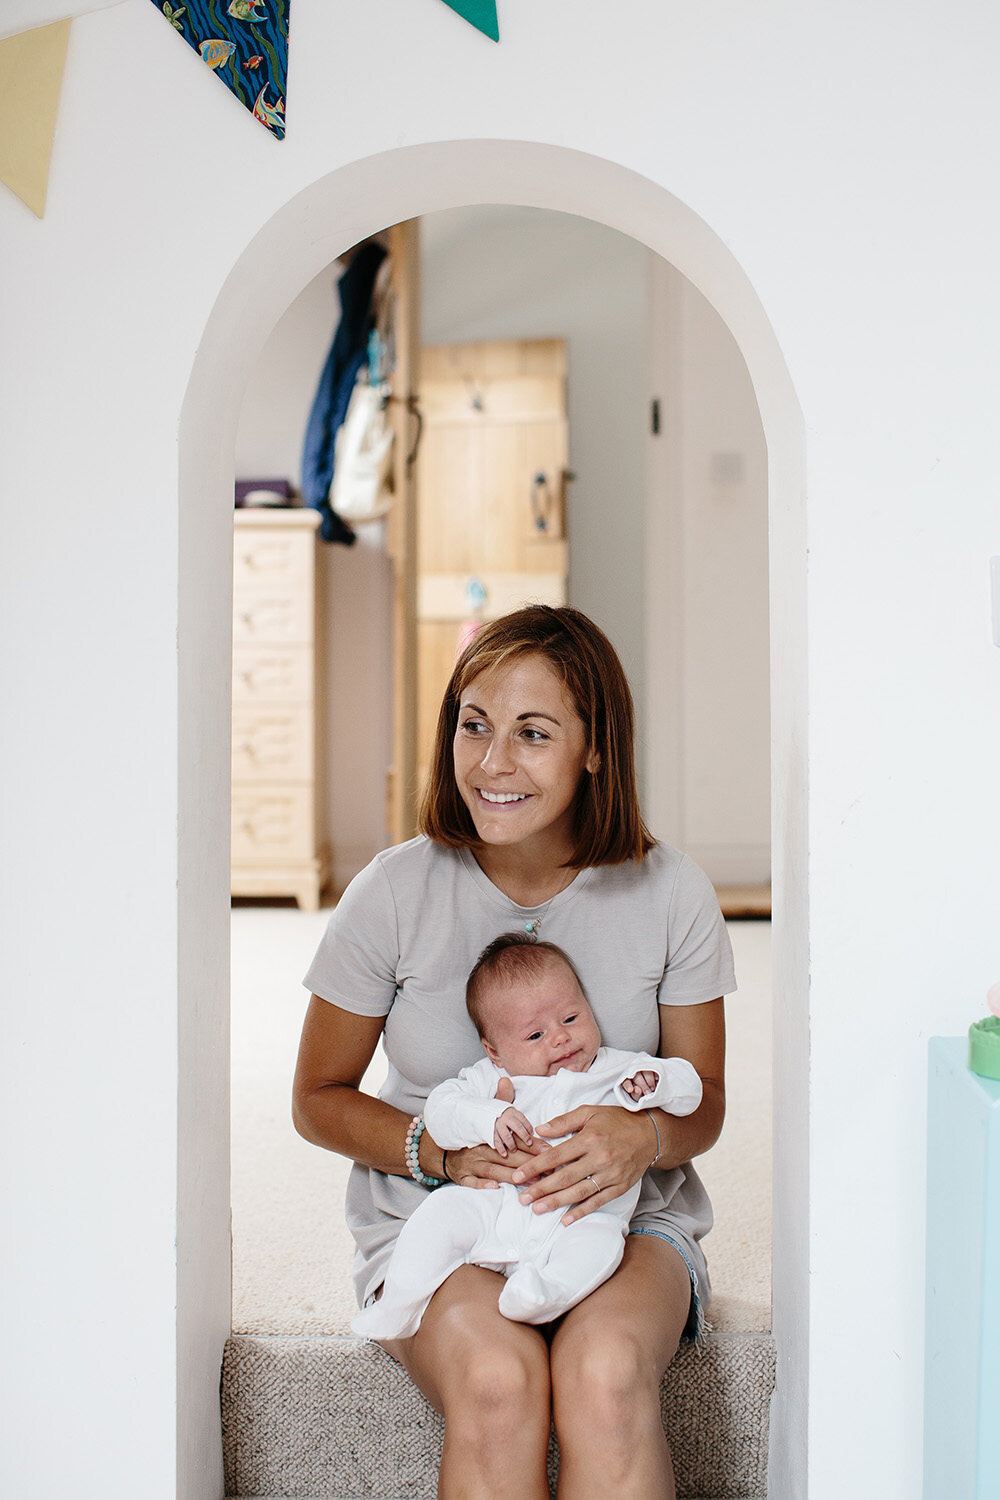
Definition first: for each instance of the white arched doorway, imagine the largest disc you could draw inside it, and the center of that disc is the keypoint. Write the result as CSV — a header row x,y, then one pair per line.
x,y
306,235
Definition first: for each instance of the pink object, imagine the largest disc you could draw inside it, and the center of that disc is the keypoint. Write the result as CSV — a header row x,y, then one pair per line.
x,y
468,632
993,998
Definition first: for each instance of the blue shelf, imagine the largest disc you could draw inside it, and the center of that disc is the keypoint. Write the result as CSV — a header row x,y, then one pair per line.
x,y
962,1361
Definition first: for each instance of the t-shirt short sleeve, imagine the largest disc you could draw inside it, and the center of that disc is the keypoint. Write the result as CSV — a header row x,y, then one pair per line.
x,y
355,964
699,953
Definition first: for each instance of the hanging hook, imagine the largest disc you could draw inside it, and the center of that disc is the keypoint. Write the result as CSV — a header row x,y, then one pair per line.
x,y
541,502
413,408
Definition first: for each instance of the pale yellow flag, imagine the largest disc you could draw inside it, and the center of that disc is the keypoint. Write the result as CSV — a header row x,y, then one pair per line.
x,y
31,70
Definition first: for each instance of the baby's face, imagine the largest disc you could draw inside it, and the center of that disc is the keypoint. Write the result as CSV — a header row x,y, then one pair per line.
x,y
542,1025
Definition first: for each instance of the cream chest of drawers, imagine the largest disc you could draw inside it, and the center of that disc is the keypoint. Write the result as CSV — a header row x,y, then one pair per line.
x,y
276,844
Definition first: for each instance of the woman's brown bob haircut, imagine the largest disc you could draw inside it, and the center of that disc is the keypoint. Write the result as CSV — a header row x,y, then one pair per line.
x,y
609,827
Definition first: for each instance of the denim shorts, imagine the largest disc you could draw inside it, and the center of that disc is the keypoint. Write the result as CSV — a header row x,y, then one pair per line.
x,y
697,1324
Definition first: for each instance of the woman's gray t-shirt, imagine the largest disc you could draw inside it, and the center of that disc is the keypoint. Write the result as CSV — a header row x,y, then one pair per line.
x,y
408,929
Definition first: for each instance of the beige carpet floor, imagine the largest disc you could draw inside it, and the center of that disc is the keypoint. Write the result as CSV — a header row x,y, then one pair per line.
x,y
291,1250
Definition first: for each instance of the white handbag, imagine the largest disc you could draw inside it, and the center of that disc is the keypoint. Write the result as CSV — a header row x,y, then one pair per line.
x,y
362,465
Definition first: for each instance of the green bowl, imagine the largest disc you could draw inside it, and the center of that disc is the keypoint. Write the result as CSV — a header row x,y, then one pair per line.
x,y
984,1047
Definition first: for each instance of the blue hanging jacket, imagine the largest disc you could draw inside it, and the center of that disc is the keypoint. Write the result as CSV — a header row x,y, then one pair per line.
x,y
348,353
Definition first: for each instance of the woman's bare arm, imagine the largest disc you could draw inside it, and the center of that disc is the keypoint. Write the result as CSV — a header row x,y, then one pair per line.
x,y
697,1032
329,1109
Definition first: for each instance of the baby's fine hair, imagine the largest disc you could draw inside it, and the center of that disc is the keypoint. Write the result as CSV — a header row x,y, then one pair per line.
x,y
510,958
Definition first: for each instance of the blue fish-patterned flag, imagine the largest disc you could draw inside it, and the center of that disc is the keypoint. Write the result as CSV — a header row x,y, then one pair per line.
x,y
243,42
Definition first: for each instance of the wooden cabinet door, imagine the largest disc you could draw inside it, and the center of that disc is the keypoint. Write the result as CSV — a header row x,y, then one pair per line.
x,y
402,787
491,496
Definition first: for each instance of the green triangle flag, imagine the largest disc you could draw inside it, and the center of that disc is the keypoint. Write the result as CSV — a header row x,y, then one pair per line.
x,y
481,13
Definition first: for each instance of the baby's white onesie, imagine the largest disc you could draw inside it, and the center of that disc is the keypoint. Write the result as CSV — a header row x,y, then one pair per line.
x,y
550,1266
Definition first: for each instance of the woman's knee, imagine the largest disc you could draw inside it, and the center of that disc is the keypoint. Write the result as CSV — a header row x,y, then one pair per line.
x,y
506,1385
498,1380
604,1381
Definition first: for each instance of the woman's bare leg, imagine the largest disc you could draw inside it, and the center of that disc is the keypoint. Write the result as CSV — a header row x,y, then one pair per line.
x,y
608,1356
489,1378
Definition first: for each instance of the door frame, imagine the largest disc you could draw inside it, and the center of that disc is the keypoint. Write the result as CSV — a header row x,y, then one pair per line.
x,y
401,799
307,234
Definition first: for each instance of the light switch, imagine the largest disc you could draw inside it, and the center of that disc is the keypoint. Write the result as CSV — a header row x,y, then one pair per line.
x,y
995,597
726,468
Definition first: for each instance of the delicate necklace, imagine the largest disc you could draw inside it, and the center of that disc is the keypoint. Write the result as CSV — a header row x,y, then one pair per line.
x,y
533,927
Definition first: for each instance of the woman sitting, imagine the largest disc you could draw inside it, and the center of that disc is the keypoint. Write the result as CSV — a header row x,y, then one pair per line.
x,y
531,821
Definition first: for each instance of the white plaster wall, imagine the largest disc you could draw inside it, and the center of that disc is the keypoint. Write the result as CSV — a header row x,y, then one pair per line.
x,y
25,15
708,721
723,492
726,727
840,156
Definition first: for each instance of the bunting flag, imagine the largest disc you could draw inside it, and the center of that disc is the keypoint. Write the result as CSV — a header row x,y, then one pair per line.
x,y
480,13
245,43
31,70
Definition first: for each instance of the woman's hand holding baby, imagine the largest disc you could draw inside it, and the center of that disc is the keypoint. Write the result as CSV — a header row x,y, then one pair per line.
x,y
484,1167
487,1166
608,1150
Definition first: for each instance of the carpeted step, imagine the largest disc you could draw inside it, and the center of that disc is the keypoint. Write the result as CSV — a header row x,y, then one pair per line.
x,y
307,1416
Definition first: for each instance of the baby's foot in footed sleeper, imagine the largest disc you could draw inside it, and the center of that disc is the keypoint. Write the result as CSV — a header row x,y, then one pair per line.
x,y
529,1298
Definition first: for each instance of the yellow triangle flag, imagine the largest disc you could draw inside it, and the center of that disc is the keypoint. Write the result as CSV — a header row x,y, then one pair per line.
x,y
31,69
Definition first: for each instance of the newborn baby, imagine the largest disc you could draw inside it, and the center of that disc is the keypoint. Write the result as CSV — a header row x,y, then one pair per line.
x,y
544,1057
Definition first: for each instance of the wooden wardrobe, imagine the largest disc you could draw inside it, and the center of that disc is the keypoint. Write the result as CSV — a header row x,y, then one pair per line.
x,y
279,847
277,811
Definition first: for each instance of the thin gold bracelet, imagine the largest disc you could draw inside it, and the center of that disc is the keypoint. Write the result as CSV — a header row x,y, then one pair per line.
x,y
659,1148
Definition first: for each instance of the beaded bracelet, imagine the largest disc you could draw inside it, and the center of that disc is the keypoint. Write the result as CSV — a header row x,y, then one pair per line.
x,y
659,1148
414,1131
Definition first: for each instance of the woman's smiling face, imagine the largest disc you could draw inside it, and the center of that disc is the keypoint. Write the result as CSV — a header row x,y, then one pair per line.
x,y
520,750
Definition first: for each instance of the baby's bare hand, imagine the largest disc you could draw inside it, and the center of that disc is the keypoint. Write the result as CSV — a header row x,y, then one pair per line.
x,y
640,1083
512,1131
